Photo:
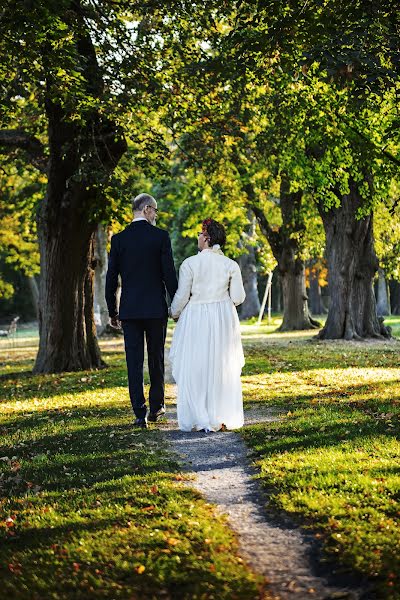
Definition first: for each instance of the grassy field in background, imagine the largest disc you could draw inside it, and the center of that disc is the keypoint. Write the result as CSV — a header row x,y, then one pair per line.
x,y
95,507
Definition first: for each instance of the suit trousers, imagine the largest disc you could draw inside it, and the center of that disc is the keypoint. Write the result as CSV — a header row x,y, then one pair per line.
x,y
135,331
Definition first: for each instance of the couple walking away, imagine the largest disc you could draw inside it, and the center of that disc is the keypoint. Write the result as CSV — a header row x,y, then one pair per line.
x,y
206,351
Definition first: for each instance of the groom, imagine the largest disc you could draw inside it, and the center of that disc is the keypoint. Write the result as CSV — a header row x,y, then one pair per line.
x,y
142,255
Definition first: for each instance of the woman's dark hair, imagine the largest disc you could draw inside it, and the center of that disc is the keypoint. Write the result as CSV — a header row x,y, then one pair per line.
x,y
215,231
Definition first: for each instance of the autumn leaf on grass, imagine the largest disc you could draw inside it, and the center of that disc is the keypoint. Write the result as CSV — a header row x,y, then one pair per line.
x,y
15,568
154,489
10,521
140,569
172,541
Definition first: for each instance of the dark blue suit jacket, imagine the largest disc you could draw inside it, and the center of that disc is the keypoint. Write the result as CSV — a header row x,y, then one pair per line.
x,y
142,255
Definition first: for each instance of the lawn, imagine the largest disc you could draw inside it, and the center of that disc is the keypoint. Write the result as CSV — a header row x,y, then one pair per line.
x,y
332,461
94,509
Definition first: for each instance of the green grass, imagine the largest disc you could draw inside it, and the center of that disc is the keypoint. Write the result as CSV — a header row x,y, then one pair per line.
x,y
92,508
332,462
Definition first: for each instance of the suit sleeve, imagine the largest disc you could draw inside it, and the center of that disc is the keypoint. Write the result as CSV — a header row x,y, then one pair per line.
x,y
236,289
168,267
112,278
182,295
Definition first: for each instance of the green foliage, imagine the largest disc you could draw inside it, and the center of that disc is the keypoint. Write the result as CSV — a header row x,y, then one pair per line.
x,y
20,191
387,234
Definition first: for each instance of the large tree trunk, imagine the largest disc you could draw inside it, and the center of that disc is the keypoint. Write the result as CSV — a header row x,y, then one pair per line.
x,y
67,331
286,247
82,155
383,297
296,315
352,264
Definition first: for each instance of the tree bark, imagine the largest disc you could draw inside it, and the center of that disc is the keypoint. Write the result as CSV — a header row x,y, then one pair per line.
x,y
251,305
82,155
34,288
247,262
285,244
352,264
383,297
101,262
314,293
394,287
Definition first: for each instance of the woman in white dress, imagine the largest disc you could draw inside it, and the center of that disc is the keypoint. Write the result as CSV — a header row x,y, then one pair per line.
x,y
206,351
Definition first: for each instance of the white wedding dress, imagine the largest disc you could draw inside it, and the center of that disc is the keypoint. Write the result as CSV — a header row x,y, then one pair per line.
x,y
206,351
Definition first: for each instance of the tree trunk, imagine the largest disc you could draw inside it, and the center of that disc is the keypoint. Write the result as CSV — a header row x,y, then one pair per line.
x,y
33,286
101,262
352,264
314,290
247,262
383,298
67,331
82,155
286,247
251,305
276,292
394,287
295,301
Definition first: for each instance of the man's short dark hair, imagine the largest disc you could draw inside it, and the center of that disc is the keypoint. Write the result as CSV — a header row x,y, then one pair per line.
x,y
141,201
215,231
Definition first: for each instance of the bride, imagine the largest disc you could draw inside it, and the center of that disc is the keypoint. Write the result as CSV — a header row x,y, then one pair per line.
x,y
206,351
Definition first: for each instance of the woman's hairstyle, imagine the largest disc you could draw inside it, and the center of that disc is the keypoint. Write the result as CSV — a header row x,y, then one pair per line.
x,y
215,232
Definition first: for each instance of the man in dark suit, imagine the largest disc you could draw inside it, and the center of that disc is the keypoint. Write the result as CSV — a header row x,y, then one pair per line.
x,y
142,256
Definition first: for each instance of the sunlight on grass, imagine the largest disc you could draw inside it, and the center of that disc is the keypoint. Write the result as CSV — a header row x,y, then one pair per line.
x,y
92,508
332,461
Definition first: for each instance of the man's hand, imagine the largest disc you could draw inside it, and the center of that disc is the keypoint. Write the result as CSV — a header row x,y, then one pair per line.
x,y
115,322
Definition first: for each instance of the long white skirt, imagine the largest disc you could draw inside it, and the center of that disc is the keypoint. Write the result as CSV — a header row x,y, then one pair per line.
x,y
207,359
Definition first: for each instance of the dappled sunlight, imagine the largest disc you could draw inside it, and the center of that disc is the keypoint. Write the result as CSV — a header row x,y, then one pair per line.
x,y
339,384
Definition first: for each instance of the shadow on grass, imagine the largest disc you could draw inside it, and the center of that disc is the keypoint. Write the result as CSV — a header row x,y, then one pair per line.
x,y
71,450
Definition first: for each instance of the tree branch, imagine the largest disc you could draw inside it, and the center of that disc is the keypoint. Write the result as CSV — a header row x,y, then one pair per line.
x,y
18,139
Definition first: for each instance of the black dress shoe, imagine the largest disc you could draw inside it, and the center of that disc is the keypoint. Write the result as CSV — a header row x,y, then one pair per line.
x,y
141,423
153,417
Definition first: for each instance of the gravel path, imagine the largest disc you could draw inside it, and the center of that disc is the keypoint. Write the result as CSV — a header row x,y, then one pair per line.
x,y
286,556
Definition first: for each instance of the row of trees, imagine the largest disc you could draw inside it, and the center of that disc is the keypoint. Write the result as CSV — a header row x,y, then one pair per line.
x,y
279,117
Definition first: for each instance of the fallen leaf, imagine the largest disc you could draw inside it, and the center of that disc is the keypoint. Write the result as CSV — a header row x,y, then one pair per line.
x,y
15,568
172,541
